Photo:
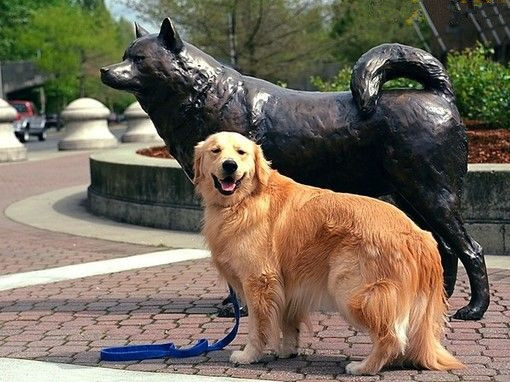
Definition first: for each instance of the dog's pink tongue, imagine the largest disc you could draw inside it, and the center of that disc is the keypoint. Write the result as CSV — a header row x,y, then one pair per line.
x,y
227,185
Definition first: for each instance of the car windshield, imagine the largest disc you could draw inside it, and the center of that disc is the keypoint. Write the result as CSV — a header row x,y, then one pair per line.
x,y
20,108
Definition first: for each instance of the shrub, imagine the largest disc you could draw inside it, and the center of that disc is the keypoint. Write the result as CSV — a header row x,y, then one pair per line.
x,y
482,86
342,80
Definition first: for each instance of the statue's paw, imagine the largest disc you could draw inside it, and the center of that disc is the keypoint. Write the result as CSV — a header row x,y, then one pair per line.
x,y
228,311
469,312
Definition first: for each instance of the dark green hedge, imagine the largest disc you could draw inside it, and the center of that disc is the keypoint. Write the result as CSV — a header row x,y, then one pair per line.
x,y
482,86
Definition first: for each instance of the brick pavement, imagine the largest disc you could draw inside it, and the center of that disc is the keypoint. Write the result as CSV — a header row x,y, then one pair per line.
x,y
24,248
70,321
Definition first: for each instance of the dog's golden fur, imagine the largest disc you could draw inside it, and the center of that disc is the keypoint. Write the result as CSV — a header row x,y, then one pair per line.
x,y
288,249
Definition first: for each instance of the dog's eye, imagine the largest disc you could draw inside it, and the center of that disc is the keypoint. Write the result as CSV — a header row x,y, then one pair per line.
x,y
241,152
139,58
216,150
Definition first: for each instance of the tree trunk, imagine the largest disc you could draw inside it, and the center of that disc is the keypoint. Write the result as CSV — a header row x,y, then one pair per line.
x,y
232,36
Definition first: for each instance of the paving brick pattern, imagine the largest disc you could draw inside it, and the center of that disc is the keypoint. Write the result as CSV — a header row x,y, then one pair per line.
x,y
24,248
71,321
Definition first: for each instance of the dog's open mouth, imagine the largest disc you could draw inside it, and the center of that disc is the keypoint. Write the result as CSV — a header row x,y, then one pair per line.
x,y
228,185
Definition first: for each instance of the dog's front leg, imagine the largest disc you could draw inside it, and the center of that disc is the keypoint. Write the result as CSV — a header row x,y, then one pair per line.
x,y
264,296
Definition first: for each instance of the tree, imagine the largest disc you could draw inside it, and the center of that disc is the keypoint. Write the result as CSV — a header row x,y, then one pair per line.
x,y
358,25
13,16
269,39
72,43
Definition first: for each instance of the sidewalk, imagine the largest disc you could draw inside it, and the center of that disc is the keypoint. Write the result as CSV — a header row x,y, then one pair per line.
x,y
70,321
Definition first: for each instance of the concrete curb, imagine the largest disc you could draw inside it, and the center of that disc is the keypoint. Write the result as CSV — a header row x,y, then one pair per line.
x,y
13,369
64,211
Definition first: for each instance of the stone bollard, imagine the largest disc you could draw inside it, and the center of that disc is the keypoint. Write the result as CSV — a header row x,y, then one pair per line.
x,y
139,126
10,148
86,126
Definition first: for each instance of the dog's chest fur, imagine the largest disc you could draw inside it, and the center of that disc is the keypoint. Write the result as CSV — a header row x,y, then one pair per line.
x,y
237,237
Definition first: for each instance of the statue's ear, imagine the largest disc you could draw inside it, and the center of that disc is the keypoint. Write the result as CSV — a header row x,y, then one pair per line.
x,y
140,31
169,36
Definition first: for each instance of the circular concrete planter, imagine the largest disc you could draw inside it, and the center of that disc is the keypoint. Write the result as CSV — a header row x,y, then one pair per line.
x,y
155,192
140,127
11,149
86,126
136,189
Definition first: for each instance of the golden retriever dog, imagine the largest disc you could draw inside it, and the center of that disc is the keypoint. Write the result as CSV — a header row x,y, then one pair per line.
x,y
288,249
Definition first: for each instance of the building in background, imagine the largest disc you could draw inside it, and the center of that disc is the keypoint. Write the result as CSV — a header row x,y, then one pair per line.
x,y
459,24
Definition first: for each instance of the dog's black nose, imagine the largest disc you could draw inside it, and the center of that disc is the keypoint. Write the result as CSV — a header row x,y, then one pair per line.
x,y
229,166
105,69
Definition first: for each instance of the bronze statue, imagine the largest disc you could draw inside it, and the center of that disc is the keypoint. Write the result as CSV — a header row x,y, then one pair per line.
x,y
410,144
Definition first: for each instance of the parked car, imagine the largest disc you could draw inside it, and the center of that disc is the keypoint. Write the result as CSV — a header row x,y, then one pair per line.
x,y
53,120
28,121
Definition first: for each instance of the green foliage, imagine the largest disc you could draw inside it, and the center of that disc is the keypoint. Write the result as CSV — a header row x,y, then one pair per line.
x,y
358,25
482,86
271,39
15,15
71,40
341,82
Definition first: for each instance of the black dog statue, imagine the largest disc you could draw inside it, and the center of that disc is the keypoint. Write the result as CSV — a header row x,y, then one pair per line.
x,y
410,144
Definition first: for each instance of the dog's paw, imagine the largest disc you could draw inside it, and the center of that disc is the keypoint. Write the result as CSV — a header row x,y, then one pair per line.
x,y
243,357
353,368
289,354
287,351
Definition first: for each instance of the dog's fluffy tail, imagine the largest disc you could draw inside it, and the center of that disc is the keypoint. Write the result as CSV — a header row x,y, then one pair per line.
x,y
405,309
427,314
389,61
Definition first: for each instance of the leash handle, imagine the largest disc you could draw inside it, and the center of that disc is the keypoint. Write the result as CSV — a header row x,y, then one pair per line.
x,y
169,350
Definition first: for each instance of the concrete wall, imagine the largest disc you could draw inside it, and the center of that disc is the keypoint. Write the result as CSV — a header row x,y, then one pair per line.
x,y
155,192
486,206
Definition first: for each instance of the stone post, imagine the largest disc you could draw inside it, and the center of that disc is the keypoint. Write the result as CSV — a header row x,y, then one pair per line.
x,y
86,126
139,126
10,147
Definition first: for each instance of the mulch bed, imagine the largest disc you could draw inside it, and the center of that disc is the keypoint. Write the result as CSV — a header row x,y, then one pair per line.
x,y
155,152
489,146
485,146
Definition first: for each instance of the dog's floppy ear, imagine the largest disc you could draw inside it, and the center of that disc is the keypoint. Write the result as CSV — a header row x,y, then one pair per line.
x,y
262,166
140,31
169,36
197,163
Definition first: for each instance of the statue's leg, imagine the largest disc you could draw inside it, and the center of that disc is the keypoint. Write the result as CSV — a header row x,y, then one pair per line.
x,y
440,209
430,182
449,259
474,262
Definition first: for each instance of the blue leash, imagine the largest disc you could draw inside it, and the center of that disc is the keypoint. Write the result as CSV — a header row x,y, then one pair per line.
x,y
139,352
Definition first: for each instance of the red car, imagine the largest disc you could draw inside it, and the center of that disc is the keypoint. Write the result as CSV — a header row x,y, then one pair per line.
x,y
28,121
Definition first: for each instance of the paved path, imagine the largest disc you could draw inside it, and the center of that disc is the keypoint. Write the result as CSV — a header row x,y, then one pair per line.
x,y
23,248
70,321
